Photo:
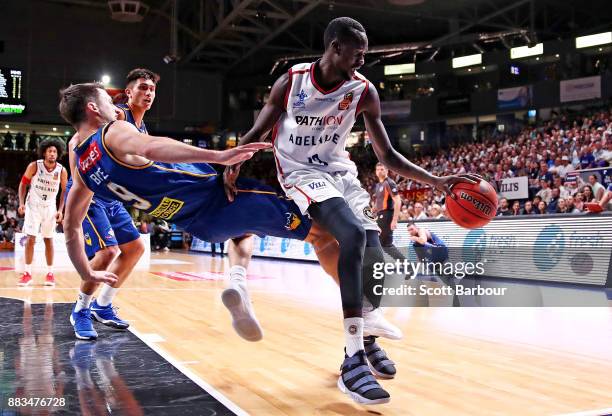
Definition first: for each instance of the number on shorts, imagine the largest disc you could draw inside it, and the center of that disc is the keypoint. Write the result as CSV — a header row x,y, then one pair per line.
x,y
129,197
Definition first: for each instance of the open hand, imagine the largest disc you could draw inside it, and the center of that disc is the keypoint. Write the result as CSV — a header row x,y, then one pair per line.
x,y
240,153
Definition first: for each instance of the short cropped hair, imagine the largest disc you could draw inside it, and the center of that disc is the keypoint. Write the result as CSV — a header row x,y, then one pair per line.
x,y
74,99
51,142
138,73
345,30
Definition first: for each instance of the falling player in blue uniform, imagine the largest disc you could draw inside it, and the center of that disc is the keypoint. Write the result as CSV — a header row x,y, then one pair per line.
x,y
108,229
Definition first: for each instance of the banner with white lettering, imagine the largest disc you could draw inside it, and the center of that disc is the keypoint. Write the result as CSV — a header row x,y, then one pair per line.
x,y
514,188
578,89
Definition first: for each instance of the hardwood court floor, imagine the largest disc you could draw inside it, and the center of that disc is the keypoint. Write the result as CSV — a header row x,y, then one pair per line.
x,y
452,361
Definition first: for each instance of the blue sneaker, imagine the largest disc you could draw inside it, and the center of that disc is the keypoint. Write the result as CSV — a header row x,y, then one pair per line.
x,y
106,315
83,327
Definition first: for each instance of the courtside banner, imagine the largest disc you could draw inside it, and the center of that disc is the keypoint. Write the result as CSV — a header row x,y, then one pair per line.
x,y
556,248
514,188
61,260
578,89
284,248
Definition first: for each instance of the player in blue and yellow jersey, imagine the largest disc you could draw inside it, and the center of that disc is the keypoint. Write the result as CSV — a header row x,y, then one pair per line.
x,y
108,229
140,89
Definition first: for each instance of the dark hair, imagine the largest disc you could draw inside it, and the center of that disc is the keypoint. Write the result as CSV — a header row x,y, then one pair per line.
x,y
74,99
120,98
51,142
138,73
344,29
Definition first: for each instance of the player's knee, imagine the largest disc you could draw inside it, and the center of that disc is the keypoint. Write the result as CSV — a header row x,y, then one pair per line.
x,y
107,255
31,239
354,238
136,248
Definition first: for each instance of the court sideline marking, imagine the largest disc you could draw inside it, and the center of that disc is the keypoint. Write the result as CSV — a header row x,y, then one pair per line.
x,y
190,374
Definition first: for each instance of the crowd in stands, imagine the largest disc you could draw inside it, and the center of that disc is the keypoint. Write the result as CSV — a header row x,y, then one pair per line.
x,y
10,222
546,154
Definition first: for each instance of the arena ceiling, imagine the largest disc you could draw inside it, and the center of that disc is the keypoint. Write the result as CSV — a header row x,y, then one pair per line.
x,y
250,36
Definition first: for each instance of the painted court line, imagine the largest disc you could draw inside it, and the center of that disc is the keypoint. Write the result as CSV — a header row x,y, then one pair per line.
x,y
191,375
597,412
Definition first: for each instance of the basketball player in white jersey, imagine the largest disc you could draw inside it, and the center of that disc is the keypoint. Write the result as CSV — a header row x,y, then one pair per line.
x,y
45,177
312,109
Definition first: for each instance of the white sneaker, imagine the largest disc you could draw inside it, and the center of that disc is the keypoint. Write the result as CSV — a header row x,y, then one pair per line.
x,y
236,300
374,323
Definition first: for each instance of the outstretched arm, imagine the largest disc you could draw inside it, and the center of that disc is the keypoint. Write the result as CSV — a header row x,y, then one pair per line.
x,y
389,156
130,146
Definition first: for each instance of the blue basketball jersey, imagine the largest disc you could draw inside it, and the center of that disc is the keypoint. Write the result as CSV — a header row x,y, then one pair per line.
x,y
129,117
170,191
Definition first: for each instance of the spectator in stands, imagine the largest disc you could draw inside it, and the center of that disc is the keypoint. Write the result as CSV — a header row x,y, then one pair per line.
x,y
563,168
554,200
20,141
558,184
9,230
504,209
33,142
435,211
545,192
542,207
8,140
528,209
562,207
586,158
545,175
598,189
587,193
419,213
516,208
578,203
404,214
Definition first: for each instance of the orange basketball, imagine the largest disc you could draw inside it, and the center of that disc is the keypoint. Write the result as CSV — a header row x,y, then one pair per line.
x,y
472,205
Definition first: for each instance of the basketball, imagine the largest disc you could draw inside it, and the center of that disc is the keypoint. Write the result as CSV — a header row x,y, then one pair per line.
x,y
472,205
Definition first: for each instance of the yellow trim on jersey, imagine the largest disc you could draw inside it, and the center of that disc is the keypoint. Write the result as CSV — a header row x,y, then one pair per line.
x,y
88,137
117,160
257,192
102,244
197,175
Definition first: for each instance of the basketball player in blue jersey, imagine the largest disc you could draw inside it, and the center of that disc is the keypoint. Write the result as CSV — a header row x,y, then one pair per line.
x,y
427,245
108,228
312,109
140,90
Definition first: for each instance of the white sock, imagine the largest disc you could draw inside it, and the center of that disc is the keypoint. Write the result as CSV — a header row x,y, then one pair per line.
x,y
49,268
107,293
353,333
237,275
82,302
28,268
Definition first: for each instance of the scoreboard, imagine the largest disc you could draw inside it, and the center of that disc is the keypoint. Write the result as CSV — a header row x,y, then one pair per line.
x,y
12,91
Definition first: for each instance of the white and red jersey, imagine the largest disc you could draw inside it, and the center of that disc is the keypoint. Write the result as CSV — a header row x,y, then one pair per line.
x,y
44,185
312,133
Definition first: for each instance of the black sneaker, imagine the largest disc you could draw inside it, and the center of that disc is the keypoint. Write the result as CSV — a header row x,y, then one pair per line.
x,y
357,381
379,363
